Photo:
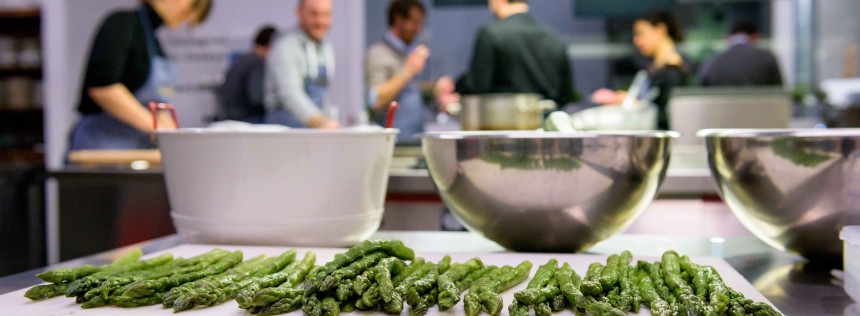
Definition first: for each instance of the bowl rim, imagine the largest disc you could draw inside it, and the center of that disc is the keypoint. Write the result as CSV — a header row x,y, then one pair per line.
x,y
780,132
292,131
547,135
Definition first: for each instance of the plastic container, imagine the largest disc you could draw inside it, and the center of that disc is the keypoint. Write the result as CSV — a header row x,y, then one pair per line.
x,y
851,237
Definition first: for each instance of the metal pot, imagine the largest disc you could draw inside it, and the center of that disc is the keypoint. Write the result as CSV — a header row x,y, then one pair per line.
x,y
502,111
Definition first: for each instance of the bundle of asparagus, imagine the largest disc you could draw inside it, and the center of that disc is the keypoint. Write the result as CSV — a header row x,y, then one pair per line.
x,y
673,286
386,275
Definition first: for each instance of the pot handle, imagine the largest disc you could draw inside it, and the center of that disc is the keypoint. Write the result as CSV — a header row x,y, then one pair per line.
x,y
155,107
547,105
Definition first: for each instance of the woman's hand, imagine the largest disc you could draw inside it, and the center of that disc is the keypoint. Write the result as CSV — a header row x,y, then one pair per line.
x,y
606,96
119,102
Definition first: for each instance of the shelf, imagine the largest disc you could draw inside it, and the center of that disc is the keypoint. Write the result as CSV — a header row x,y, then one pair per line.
x,y
26,72
30,111
23,13
22,156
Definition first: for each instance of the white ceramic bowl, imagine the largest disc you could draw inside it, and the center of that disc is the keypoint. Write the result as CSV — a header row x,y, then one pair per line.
x,y
296,187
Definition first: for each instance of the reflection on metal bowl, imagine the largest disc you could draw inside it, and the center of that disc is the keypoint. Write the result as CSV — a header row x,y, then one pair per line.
x,y
548,192
503,111
794,189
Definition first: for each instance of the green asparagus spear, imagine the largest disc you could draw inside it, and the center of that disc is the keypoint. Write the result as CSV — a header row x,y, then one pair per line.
x,y
220,288
672,275
591,286
363,281
149,287
419,287
289,277
657,305
392,247
330,307
717,290
386,268
517,309
354,269
70,274
343,290
425,302
625,284
537,290
124,301
312,306
598,308
80,287
46,291
490,299
609,278
414,266
697,275
283,306
543,309
449,293
568,282
557,303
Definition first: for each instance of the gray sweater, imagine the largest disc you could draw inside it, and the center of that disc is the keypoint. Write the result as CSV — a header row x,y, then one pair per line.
x,y
293,59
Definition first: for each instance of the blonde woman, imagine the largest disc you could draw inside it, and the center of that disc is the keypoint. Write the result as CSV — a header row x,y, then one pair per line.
x,y
126,70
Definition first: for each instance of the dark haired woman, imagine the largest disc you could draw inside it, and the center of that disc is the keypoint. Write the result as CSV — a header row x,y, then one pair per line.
x,y
655,35
126,70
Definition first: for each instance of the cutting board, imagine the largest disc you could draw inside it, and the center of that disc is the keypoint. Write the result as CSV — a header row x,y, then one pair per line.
x,y
113,157
15,303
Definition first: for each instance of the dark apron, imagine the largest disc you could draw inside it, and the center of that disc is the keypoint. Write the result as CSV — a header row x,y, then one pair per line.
x,y
103,131
316,90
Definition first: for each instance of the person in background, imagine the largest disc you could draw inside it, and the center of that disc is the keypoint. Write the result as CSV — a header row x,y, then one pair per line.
x,y
518,54
240,97
392,64
126,70
299,70
742,64
654,35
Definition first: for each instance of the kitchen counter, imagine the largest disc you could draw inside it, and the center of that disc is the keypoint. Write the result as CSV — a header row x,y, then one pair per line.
x,y
792,284
132,200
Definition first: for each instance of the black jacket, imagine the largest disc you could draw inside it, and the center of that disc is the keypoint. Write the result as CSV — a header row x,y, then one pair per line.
x,y
519,55
742,65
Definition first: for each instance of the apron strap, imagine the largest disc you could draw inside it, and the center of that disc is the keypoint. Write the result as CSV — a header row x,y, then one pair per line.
x,y
147,31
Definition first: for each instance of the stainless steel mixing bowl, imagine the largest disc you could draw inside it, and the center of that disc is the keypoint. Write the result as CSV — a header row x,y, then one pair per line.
x,y
547,191
794,189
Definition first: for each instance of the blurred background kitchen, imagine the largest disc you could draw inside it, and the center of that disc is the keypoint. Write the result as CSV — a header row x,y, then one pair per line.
x,y
51,211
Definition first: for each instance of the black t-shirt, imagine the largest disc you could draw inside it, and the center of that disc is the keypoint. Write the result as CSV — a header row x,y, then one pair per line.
x,y
118,55
665,78
519,55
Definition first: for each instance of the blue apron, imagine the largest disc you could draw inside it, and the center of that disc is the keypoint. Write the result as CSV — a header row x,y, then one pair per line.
x,y
103,131
315,88
411,115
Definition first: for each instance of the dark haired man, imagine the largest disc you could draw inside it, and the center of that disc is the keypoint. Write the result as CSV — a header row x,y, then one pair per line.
x,y
742,64
392,65
240,97
518,54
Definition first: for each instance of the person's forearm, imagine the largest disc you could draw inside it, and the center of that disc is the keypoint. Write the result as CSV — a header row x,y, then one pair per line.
x,y
388,90
119,102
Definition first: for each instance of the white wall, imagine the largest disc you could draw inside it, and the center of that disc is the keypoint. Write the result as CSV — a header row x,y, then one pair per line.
x,y
784,37
202,54
838,29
